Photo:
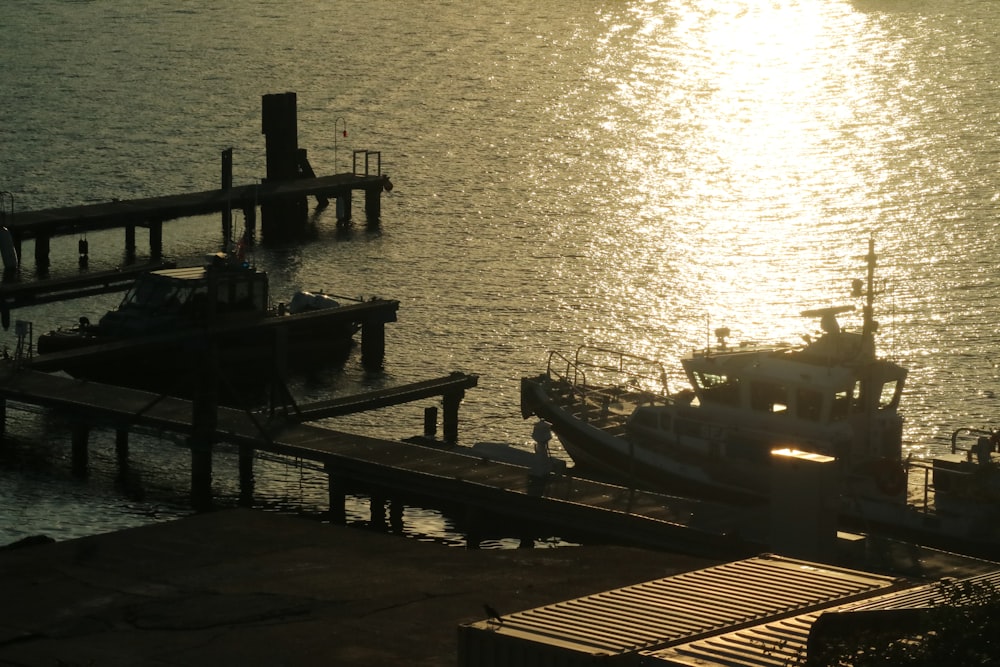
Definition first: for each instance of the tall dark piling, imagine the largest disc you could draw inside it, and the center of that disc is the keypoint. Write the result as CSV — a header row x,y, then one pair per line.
x,y
285,218
80,436
204,418
227,210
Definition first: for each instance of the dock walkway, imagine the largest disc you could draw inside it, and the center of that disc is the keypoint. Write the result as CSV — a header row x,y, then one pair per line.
x,y
396,468
114,214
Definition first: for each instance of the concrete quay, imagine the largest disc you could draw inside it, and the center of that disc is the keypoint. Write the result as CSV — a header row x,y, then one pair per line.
x,y
243,587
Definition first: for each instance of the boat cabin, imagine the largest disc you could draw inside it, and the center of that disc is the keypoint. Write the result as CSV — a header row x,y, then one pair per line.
x,y
174,298
805,390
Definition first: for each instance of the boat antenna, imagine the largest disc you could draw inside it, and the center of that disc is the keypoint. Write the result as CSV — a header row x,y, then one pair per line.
x,y
868,328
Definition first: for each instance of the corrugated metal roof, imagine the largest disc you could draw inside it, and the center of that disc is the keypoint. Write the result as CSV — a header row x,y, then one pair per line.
x,y
667,611
783,642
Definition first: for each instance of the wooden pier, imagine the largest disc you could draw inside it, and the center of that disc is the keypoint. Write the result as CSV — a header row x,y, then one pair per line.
x,y
390,469
152,212
281,197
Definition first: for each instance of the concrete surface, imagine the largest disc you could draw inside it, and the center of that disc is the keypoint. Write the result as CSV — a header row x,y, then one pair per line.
x,y
241,587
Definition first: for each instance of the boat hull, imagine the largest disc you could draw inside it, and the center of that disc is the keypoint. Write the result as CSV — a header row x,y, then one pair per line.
x,y
596,452
599,453
248,355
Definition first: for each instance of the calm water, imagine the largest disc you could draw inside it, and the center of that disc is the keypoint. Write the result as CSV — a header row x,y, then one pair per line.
x,y
627,173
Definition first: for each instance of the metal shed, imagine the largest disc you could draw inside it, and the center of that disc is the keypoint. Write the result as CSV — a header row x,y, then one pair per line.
x,y
613,627
783,642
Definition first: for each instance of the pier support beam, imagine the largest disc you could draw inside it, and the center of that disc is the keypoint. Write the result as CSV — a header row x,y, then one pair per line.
x,y
372,345
42,244
344,208
373,205
129,244
473,528
81,454
204,418
250,223
338,496
246,475
450,402
396,516
430,422
376,519
156,239
121,449
227,210
201,473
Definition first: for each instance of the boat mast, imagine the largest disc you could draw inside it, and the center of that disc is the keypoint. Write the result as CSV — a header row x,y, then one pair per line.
x,y
868,327
868,350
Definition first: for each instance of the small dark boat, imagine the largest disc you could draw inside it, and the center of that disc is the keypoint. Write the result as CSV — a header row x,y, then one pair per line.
x,y
174,324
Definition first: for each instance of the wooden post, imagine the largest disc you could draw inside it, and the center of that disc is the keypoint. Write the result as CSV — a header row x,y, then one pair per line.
x,y
430,422
373,205
3,418
372,345
250,222
201,472
121,448
42,243
473,528
156,239
377,511
344,207
204,416
451,401
129,244
81,455
337,494
279,369
396,516
246,475
227,210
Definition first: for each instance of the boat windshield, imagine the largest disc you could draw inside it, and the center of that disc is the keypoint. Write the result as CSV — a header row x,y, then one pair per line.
x,y
713,388
155,295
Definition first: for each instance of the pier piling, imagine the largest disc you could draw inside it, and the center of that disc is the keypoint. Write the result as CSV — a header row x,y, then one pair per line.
x,y
121,448
156,239
279,123
337,494
80,436
246,475
227,209
372,344
42,245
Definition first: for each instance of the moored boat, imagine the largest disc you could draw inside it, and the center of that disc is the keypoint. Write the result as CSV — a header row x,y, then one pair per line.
x,y
159,334
831,398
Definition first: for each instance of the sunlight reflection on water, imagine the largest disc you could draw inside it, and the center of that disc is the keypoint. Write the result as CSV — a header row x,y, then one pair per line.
x,y
633,174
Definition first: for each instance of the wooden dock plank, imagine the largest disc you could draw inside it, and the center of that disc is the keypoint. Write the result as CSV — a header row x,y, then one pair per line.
x,y
384,397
